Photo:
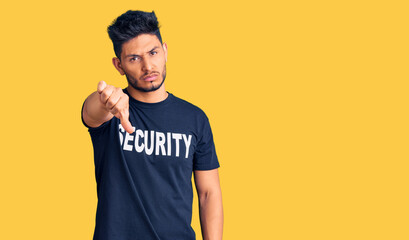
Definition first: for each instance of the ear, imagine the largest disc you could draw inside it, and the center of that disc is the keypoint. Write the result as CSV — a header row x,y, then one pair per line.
x,y
165,49
117,64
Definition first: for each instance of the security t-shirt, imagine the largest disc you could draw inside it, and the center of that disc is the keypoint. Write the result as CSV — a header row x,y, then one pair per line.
x,y
143,179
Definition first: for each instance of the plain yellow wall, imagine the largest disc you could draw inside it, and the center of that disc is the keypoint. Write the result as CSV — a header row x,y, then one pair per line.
x,y
308,102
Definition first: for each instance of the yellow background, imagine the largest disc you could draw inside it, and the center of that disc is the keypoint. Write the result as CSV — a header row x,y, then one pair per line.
x,y
308,102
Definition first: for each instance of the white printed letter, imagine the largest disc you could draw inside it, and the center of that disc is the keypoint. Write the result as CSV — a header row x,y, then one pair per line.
x,y
187,143
160,141
177,137
128,138
149,150
139,133
121,137
169,143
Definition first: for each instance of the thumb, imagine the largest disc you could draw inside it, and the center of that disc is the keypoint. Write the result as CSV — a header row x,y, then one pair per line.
x,y
101,86
126,124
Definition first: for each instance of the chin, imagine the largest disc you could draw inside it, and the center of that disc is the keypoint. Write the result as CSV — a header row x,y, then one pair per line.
x,y
148,86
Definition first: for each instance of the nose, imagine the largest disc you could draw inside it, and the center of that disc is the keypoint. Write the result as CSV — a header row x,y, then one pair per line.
x,y
147,65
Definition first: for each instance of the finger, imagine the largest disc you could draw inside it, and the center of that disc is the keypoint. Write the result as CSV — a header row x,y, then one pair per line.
x,y
126,124
121,106
124,118
114,98
101,86
121,111
106,93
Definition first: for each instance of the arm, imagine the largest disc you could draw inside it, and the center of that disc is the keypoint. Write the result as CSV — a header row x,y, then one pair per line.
x,y
210,203
107,102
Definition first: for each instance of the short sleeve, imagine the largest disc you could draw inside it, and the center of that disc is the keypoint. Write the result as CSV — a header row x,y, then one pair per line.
x,y
82,117
205,157
92,129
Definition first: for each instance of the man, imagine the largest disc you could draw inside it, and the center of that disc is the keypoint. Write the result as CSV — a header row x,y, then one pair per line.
x,y
147,143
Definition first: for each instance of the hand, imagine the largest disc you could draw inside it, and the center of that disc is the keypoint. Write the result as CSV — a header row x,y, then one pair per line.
x,y
116,102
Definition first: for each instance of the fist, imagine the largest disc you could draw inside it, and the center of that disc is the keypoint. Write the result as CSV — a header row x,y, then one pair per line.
x,y
116,102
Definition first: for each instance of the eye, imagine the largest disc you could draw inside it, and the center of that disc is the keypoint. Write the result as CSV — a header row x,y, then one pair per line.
x,y
153,52
132,59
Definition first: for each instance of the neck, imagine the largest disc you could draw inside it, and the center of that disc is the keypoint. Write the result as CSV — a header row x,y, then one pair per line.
x,y
148,97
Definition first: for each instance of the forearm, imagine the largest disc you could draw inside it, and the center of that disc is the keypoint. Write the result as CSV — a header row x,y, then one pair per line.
x,y
94,112
211,215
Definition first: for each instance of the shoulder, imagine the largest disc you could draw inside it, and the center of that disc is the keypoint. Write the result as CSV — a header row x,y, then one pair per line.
x,y
188,108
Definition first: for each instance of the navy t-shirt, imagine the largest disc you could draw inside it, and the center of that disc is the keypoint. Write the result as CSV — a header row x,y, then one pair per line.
x,y
143,179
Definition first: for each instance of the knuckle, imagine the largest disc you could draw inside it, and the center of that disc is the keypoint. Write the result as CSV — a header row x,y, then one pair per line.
x,y
122,111
106,92
110,103
104,95
114,111
108,89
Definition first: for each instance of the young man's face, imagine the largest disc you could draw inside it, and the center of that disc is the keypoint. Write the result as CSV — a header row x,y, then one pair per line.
x,y
143,61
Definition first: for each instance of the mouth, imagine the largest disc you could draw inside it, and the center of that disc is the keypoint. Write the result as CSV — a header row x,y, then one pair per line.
x,y
150,77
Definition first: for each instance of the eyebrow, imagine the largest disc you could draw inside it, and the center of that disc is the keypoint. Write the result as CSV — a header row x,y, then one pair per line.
x,y
136,55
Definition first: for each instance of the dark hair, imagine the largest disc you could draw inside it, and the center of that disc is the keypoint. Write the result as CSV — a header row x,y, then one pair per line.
x,y
131,24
